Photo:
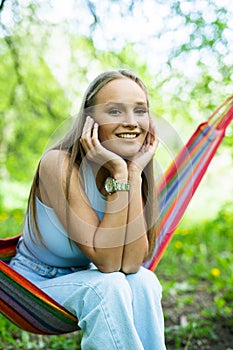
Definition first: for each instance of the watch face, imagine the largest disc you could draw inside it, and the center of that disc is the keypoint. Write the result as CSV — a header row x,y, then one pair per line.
x,y
110,185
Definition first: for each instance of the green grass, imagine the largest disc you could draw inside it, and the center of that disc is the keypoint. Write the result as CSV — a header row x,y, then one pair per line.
x,y
14,338
196,274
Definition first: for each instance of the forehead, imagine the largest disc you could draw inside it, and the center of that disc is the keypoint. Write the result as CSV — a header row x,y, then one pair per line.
x,y
122,90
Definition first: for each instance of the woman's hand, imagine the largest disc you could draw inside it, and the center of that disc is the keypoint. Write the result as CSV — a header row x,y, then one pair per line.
x,y
147,151
98,153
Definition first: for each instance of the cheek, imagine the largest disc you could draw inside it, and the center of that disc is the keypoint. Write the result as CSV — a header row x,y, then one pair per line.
x,y
145,127
104,132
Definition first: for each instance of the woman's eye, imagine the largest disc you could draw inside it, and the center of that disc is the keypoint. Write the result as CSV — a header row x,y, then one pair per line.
x,y
114,111
141,111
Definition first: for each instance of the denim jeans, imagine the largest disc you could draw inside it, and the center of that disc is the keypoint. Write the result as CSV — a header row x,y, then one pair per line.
x,y
114,310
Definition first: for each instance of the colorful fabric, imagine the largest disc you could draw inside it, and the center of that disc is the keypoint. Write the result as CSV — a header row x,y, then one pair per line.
x,y
25,304
33,310
182,178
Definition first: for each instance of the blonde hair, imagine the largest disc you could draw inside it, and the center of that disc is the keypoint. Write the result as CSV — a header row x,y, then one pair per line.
x,y
71,144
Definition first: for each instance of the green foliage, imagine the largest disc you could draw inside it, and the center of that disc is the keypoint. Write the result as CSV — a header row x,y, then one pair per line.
x,y
29,114
196,275
13,338
35,101
11,223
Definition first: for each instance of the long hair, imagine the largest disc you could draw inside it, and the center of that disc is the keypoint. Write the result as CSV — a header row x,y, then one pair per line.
x,y
71,144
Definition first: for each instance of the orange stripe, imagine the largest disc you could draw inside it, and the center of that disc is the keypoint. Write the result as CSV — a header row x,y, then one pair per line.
x,y
35,291
180,163
17,319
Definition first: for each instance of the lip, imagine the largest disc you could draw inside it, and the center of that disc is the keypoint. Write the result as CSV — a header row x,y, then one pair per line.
x,y
127,135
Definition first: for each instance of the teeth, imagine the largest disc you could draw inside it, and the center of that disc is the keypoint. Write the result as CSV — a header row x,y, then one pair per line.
x,y
127,136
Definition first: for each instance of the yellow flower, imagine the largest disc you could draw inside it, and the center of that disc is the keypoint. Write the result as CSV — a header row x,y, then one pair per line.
x,y
215,272
17,216
185,231
3,216
178,244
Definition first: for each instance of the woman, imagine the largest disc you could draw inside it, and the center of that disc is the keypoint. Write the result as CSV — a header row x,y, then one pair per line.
x,y
90,222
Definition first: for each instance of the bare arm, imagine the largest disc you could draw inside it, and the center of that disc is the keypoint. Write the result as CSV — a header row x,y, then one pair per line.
x,y
101,241
136,243
117,242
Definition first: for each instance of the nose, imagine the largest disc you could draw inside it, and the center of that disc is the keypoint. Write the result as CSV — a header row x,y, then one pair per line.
x,y
130,119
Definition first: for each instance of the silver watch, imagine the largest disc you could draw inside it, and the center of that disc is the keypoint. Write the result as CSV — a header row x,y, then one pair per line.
x,y
111,185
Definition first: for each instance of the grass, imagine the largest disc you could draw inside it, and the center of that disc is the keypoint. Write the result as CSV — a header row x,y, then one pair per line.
x,y
196,274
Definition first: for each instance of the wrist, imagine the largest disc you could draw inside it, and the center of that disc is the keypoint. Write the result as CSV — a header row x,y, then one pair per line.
x,y
120,174
118,171
134,173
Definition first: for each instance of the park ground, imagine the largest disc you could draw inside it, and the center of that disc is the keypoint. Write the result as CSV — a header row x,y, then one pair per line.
x,y
196,275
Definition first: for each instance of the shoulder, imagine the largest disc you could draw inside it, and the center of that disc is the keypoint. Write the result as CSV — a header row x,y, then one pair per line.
x,y
54,163
53,159
54,155
54,173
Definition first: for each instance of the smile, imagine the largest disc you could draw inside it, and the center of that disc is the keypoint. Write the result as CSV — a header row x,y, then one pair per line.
x,y
127,136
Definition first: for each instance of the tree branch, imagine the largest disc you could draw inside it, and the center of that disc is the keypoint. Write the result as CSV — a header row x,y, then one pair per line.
x,y
92,9
2,5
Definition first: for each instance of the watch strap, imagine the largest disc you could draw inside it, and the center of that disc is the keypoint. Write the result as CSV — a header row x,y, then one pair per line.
x,y
112,185
122,186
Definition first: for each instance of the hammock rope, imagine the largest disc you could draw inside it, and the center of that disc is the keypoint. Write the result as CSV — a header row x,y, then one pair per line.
x,y
31,309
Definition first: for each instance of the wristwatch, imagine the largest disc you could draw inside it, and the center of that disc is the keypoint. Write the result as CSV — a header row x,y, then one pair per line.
x,y
111,185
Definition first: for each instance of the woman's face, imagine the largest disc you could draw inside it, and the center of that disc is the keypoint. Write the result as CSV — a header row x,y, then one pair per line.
x,y
121,111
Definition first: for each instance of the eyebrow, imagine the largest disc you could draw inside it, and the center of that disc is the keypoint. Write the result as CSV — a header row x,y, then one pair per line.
x,y
139,103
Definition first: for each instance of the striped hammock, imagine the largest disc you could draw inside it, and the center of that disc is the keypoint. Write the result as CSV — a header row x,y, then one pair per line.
x,y
31,309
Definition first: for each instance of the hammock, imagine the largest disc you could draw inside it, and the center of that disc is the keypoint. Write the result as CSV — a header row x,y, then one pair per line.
x,y
26,305
180,181
31,309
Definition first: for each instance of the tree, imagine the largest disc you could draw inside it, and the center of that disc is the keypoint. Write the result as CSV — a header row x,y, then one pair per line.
x,y
181,49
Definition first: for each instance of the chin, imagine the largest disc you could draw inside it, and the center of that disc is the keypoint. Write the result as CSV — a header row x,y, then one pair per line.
x,y
125,151
128,155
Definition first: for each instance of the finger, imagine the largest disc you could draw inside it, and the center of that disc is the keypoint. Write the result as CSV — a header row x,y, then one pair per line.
x,y
154,146
95,135
154,140
85,139
148,141
87,128
87,131
152,128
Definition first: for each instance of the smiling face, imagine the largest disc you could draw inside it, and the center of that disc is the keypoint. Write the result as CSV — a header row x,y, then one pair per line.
x,y
121,111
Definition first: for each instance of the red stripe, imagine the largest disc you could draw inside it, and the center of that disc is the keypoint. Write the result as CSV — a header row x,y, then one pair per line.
x,y
177,218
178,166
185,154
17,319
34,290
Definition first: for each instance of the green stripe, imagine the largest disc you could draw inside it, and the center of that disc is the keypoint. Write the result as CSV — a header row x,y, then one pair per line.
x,y
23,291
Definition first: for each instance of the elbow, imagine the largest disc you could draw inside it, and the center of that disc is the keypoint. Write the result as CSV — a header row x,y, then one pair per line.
x,y
116,267
110,267
129,269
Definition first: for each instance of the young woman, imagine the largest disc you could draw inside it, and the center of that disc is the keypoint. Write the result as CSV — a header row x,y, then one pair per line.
x,y
90,222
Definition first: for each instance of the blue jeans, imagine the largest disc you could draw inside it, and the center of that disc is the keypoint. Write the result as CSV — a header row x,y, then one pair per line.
x,y
115,311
